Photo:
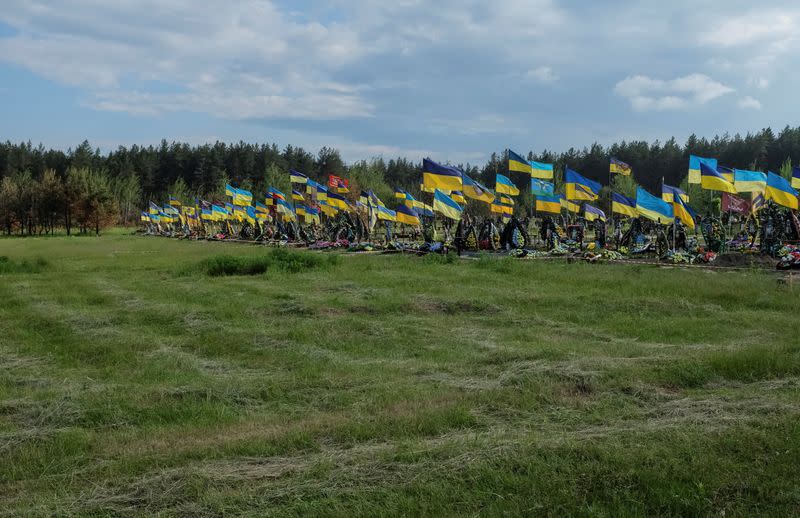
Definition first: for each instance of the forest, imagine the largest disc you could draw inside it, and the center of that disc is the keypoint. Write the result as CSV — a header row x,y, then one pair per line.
x,y
82,190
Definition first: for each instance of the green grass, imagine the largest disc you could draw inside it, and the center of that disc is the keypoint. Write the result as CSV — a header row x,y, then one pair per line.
x,y
146,375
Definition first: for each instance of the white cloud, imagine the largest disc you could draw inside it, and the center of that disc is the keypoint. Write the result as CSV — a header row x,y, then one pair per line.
x,y
648,94
761,83
749,103
542,75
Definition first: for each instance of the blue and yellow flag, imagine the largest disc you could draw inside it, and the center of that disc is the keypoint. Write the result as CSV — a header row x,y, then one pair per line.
x,y
694,167
749,181
175,202
518,164
144,217
712,180
683,212
549,204
338,201
726,172
796,177
229,190
758,202
406,215
498,207
621,204
579,187
436,176
297,177
506,200
653,208
620,167
780,190
458,197
476,191
570,206
592,213
445,206
154,209
542,187
541,170
384,213
297,196
504,185
669,193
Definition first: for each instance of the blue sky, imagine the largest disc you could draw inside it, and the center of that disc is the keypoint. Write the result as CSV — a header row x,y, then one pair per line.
x,y
451,79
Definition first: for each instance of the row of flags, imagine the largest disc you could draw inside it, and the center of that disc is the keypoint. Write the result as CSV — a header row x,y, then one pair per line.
x,y
452,187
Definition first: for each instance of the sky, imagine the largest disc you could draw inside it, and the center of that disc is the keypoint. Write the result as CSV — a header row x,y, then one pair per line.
x,y
453,80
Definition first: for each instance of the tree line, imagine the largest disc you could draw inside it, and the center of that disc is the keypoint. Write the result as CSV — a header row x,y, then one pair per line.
x,y
84,190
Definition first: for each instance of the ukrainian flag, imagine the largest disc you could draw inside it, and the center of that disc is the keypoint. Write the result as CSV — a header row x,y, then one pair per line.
x,y
297,177
260,207
712,180
476,191
425,210
218,213
542,187
297,196
669,193
503,185
621,204
758,202
780,191
206,214
175,202
445,206
620,167
796,177
694,167
144,217
498,207
749,181
338,201
154,209
518,164
593,213
385,213
541,171
549,204
229,190
726,172
406,215
436,176
458,197
242,197
570,206
579,187
682,212
653,208
506,200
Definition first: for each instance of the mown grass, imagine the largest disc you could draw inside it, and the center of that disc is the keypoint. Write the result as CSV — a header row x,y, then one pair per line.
x,y
146,375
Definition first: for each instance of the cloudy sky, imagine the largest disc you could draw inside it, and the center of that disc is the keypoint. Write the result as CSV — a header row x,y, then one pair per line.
x,y
452,79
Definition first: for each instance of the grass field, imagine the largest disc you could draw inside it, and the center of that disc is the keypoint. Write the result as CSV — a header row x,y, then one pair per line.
x,y
134,381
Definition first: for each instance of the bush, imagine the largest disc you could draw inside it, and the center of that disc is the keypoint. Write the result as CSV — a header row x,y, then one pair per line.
x,y
277,259
23,266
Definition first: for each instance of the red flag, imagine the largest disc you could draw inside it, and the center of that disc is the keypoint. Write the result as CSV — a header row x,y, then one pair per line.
x,y
335,181
732,203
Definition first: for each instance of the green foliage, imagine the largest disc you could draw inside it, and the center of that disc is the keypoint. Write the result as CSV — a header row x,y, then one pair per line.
x,y
624,185
786,169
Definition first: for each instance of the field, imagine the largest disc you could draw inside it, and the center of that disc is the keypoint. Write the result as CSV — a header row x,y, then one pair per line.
x,y
132,380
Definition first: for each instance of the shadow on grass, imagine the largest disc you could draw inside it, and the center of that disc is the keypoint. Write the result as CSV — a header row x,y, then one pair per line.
x,y
278,259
